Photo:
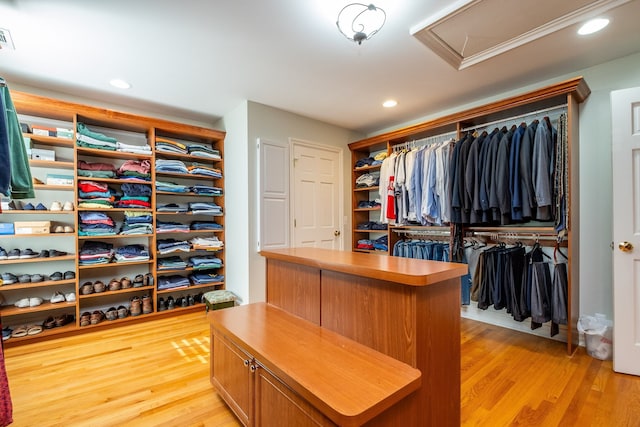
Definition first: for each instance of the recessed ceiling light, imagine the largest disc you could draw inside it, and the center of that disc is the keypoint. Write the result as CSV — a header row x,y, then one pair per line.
x,y
593,26
390,103
120,84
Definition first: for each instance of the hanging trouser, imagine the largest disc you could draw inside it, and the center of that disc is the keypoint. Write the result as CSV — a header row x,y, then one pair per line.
x,y
540,294
499,285
488,279
559,294
477,276
515,285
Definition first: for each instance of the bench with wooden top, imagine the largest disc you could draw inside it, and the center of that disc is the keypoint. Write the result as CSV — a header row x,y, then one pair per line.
x,y
275,368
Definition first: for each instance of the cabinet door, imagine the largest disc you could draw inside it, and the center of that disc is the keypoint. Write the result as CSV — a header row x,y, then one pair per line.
x,y
231,376
276,405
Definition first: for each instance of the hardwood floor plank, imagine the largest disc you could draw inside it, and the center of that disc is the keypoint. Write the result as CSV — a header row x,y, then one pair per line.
x,y
157,374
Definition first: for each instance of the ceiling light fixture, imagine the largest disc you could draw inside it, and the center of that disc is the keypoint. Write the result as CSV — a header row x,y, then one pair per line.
x,y
120,84
359,22
389,103
593,26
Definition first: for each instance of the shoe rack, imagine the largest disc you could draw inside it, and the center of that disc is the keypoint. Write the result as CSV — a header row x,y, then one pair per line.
x,y
112,293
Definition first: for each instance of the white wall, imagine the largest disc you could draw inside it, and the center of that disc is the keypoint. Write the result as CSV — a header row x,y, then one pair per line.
x,y
595,173
245,267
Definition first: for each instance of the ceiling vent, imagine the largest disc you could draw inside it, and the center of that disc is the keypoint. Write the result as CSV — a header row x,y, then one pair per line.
x,y
6,42
472,31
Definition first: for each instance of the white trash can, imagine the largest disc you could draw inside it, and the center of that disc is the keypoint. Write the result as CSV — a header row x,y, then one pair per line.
x,y
598,335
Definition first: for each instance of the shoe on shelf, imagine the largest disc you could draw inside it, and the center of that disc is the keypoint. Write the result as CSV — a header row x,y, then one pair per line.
x,y
138,281
63,319
68,275
171,304
162,304
99,287
96,317
55,253
41,207
43,254
57,297
28,253
68,206
9,279
70,297
136,306
15,205
20,331
49,323
115,285
147,305
55,276
36,278
28,207
55,206
190,300
13,254
34,329
87,288
68,229
22,303
58,229
24,278
126,282
122,312
111,314
35,301
85,319
3,254
6,333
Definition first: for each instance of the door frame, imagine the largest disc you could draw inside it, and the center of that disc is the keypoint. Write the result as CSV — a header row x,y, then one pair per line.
x,y
295,142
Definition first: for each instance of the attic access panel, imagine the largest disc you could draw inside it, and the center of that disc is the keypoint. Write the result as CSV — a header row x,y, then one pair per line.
x,y
472,31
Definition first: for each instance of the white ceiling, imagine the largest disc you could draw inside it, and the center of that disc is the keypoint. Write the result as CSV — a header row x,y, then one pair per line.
x,y
198,59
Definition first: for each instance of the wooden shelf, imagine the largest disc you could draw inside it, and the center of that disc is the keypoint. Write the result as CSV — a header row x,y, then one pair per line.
x,y
31,285
184,289
32,212
169,193
187,176
376,188
10,310
111,293
50,140
51,164
113,264
20,236
31,260
111,154
54,187
115,180
115,236
196,159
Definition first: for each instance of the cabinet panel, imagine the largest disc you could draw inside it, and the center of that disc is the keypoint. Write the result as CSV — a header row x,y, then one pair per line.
x,y
231,376
276,405
294,288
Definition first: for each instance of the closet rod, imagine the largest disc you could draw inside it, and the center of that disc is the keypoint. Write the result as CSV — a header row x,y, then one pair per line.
x,y
425,141
521,116
424,232
514,235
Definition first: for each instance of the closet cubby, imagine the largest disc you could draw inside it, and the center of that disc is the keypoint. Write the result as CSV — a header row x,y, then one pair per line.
x,y
136,137
567,96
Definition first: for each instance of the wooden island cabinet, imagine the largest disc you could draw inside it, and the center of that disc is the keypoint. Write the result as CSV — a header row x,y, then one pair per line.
x,y
405,308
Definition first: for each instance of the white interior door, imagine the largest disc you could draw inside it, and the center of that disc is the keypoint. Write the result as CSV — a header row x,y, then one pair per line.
x,y
625,105
317,196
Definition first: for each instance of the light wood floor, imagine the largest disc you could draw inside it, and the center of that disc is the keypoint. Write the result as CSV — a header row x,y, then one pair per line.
x,y
156,374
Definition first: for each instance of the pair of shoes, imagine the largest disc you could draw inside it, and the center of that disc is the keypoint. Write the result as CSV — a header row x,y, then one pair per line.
x,y
147,305
96,317
24,278
15,205
43,254
57,206
111,314
68,206
28,302
63,229
136,306
49,323
57,297
68,275
148,279
23,331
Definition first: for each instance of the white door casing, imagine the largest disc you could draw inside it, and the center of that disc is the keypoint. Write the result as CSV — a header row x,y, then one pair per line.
x,y
317,195
274,203
625,106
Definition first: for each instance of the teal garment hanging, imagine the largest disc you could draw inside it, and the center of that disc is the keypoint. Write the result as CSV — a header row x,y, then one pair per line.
x,y
21,182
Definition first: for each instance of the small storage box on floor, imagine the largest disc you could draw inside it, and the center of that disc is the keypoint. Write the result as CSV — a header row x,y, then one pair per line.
x,y
215,300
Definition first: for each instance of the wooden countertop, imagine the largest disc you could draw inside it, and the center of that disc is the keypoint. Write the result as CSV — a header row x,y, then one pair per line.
x,y
407,271
349,382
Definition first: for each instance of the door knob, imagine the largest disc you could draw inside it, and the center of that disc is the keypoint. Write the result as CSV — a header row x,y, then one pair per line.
x,y
336,233
625,246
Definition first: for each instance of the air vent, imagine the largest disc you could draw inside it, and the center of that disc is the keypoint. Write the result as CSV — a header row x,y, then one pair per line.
x,y
6,42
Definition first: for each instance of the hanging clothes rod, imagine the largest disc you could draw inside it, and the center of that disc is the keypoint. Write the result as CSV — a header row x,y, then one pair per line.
x,y
424,232
521,116
514,235
436,139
